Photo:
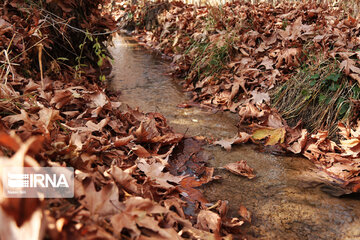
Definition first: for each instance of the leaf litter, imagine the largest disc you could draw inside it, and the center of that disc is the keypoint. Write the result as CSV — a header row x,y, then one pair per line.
x,y
135,178
233,55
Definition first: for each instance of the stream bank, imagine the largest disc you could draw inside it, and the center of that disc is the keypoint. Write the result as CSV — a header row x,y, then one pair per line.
x,y
286,198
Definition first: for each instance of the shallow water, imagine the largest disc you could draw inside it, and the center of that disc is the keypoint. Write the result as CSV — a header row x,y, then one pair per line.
x,y
285,199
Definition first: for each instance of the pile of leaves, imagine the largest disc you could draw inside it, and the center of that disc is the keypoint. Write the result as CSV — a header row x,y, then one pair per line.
x,y
135,178
235,55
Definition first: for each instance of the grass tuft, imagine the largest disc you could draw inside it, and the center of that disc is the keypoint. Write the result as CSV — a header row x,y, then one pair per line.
x,y
319,94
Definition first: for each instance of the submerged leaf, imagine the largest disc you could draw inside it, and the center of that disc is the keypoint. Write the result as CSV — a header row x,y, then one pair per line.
x,y
240,168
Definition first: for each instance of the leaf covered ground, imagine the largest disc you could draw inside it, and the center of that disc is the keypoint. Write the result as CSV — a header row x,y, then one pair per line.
x,y
135,178
290,71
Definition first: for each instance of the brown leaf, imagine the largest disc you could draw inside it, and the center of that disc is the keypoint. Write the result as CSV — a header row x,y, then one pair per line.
x,y
242,137
47,117
140,151
190,182
147,130
351,147
104,202
169,138
249,110
240,81
348,65
209,221
20,210
23,116
11,142
259,97
61,98
123,141
124,179
240,168
267,63
300,144
245,213
154,170
290,57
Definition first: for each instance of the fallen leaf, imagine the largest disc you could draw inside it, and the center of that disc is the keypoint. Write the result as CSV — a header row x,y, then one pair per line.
x,y
242,137
273,135
209,221
240,168
154,171
289,57
245,213
259,97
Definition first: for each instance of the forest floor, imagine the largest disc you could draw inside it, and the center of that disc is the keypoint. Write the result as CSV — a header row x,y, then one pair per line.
x,y
291,72
135,178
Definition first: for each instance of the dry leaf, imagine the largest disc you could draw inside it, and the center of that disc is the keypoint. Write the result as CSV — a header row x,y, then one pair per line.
x,y
273,135
245,213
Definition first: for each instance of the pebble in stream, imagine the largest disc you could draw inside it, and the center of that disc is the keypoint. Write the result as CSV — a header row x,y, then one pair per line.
x,y
285,198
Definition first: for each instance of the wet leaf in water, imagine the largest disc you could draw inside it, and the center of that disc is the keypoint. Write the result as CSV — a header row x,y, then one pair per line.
x,y
241,168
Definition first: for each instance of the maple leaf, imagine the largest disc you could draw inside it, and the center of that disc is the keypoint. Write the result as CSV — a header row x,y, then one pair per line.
x,y
154,171
125,179
348,65
103,202
290,57
242,137
139,214
259,97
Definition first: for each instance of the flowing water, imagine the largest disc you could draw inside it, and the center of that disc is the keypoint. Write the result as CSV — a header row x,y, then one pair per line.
x,y
286,198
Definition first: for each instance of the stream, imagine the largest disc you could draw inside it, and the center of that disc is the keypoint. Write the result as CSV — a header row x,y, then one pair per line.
x,y
286,199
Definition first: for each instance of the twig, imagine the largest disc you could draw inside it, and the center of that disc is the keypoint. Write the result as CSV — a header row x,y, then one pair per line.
x,y
40,48
9,68
65,23
24,51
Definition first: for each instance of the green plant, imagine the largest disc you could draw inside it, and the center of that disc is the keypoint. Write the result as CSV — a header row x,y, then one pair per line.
x,y
319,95
99,51
101,55
78,59
285,23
